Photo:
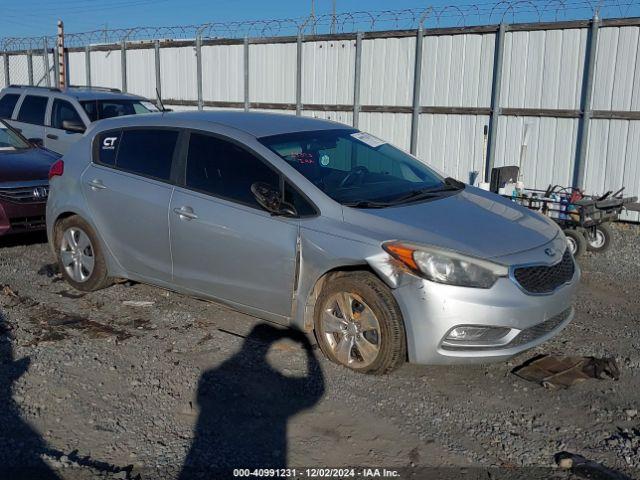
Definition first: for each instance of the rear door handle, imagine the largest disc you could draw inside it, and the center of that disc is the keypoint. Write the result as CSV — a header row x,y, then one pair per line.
x,y
97,185
52,136
185,213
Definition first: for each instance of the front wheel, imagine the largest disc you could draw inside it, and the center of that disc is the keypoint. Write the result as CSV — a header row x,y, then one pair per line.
x,y
359,325
79,255
576,242
599,238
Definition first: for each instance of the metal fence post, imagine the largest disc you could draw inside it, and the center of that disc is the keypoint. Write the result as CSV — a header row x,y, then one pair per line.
x,y
417,78
199,71
246,74
299,76
87,65
123,62
30,67
585,104
47,66
67,72
156,46
496,88
7,76
357,75
56,65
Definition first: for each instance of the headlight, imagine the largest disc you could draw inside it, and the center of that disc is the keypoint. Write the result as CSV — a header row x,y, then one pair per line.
x,y
444,266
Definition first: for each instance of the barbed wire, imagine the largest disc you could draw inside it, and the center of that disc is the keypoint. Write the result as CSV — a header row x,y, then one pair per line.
x,y
460,15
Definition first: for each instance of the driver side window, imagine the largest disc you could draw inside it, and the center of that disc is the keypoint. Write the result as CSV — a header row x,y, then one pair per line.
x,y
63,111
225,170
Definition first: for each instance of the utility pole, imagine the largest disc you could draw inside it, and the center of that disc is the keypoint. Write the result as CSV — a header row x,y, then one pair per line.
x,y
62,70
333,16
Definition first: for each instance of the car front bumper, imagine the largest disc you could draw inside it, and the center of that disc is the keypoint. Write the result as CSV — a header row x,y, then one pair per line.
x,y
432,310
20,218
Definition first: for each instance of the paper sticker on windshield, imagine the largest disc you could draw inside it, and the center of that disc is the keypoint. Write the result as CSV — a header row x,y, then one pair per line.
x,y
368,139
150,106
324,160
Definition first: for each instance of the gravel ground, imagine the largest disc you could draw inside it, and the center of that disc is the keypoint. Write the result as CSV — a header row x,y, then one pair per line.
x,y
94,386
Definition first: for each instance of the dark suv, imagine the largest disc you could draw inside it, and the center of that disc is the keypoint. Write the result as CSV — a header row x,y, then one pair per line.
x,y
24,182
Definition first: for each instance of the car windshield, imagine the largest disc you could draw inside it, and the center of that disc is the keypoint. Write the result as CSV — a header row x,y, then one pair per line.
x,y
357,169
10,140
101,109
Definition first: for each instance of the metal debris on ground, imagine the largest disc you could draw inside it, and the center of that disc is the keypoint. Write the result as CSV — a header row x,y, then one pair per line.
x,y
138,303
562,372
584,468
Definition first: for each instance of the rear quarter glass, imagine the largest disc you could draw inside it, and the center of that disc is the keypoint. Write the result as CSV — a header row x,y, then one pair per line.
x,y
107,147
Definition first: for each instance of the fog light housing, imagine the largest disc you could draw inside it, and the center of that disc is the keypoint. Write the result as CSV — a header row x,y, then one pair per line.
x,y
480,336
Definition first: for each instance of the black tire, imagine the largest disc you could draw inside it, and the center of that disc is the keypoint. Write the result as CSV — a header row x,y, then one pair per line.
x,y
599,238
576,242
98,278
391,341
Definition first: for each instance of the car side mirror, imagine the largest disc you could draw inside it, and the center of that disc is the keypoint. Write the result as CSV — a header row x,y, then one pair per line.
x,y
36,142
270,198
71,126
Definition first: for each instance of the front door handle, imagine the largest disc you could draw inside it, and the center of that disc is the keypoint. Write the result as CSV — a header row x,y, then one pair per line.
x,y
97,185
185,213
52,136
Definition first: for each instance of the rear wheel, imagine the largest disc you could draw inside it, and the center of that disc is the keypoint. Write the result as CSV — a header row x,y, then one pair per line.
x,y
79,255
598,238
576,242
359,325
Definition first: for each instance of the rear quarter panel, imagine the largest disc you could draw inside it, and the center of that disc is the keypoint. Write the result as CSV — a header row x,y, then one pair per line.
x,y
66,196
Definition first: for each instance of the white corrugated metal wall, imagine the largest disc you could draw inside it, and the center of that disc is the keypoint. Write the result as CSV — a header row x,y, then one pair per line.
x,y
542,69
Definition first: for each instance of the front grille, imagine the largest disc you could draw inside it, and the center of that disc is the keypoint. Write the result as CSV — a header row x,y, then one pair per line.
x,y
23,224
36,194
541,279
532,333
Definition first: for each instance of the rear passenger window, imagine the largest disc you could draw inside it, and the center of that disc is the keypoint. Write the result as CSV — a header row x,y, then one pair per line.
x,y
7,104
225,170
32,110
147,152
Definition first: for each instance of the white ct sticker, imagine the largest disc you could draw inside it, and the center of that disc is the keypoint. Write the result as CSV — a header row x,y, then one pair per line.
x,y
367,138
109,143
324,160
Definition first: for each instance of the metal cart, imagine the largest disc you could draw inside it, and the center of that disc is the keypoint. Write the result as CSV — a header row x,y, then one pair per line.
x,y
583,218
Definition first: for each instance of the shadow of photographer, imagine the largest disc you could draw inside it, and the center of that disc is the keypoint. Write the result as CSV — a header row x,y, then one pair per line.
x,y
244,407
21,446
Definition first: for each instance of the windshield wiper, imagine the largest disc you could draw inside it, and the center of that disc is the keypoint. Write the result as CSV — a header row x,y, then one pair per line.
x,y
367,204
450,184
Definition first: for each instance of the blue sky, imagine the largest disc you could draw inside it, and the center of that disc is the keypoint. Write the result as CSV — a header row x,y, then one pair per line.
x,y
38,17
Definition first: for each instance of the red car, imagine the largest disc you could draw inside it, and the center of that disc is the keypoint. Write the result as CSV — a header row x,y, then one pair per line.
x,y
24,182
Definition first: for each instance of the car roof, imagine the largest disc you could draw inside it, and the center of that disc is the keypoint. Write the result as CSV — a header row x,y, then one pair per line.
x,y
78,92
257,124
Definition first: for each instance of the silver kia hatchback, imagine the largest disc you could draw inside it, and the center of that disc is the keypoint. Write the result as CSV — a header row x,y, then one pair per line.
x,y
314,225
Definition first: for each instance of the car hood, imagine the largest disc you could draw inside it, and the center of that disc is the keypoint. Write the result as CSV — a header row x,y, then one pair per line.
x,y
32,164
472,221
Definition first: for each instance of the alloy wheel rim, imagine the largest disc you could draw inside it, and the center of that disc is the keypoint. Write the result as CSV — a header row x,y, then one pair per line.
x,y
351,330
596,240
76,253
573,246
